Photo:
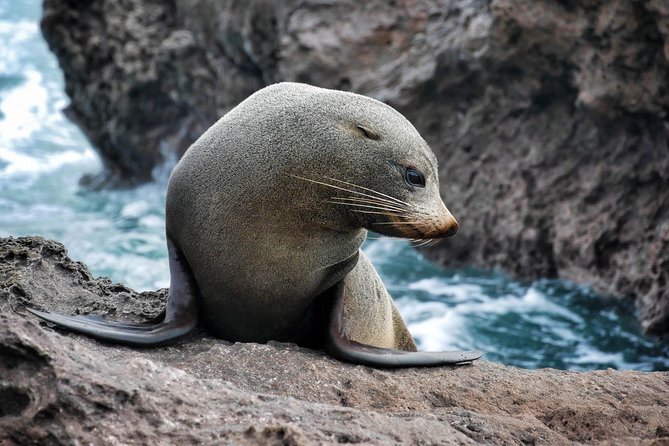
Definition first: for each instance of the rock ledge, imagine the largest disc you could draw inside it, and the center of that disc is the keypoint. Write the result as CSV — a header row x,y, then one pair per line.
x,y
62,389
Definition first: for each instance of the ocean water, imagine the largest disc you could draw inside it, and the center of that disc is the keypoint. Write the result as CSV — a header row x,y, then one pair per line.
x,y
546,323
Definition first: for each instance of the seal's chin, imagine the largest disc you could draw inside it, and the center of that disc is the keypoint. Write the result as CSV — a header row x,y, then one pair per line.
x,y
417,230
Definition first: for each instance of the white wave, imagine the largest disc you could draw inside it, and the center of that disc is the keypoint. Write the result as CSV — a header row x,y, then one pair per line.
x,y
23,107
472,299
13,35
137,271
537,301
381,249
413,310
441,324
135,209
435,325
588,355
18,30
14,163
152,221
438,287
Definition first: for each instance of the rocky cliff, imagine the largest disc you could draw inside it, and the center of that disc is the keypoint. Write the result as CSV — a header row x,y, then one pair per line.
x,y
549,118
58,388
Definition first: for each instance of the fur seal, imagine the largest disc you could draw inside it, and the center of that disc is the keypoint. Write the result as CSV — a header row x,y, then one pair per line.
x,y
265,216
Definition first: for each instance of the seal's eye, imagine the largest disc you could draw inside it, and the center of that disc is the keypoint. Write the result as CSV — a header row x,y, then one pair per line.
x,y
414,178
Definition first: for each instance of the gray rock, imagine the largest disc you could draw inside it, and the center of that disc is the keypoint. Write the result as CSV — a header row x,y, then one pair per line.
x,y
549,118
59,388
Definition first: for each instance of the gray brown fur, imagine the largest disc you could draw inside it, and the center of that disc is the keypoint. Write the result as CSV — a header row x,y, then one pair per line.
x,y
263,244
266,213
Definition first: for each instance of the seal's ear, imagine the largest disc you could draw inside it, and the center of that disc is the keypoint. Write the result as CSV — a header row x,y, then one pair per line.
x,y
367,132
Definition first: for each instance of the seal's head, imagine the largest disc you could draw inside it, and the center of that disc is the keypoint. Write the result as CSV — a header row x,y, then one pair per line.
x,y
373,168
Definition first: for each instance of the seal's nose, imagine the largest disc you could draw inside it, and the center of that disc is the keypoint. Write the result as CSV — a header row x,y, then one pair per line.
x,y
449,225
453,229
450,228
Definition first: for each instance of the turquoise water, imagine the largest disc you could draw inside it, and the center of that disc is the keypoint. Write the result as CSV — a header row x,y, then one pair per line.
x,y
119,234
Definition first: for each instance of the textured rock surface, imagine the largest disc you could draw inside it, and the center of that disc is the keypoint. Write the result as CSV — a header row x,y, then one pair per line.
x,y
549,118
67,389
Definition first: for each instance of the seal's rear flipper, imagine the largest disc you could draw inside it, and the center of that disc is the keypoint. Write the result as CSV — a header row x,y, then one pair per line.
x,y
339,346
122,333
180,314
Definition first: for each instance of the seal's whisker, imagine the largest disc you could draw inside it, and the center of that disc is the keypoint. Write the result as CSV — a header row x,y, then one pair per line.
x,y
371,190
386,237
372,200
387,211
339,188
398,222
368,201
369,204
424,243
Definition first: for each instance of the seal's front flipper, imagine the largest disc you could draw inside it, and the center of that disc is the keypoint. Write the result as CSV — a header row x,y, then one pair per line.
x,y
339,346
180,314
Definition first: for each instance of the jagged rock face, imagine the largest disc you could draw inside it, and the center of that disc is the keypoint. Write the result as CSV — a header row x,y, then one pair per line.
x,y
548,118
58,388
